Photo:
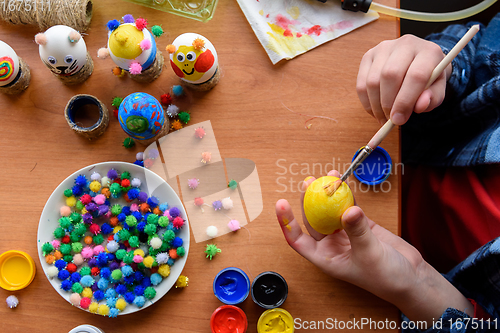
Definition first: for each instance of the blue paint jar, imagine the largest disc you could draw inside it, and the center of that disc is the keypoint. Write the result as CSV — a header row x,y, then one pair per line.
x,y
231,286
375,169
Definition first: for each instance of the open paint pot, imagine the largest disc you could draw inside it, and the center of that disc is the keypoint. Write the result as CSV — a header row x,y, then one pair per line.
x,y
275,320
269,290
231,286
228,318
17,270
375,169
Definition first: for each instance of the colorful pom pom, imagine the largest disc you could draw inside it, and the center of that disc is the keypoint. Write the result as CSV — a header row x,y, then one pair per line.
x,y
177,90
41,39
206,157
182,282
193,183
74,36
113,24
211,250
198,44
227,203
172,110
212,231
12,301
171,48
184,116
141,23
157,30
199,132
135,68
128,18
234,225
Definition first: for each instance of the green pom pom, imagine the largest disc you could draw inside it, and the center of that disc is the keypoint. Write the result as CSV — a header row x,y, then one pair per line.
x,y
79,205
85,270
181,251
116,102
149,292
153,219
168,236
68,258
116,209
141,266
68,192
184,117
129,257
125,175
153,252
98,239
47,248
65,222
164,247
134,241
74,237
77,247
124,234
116,274
80,229
75,217
131,221
77,288
65,249
157,30
59,232
115,189
128,143
120,254
232,184
212,250
150,229
163,221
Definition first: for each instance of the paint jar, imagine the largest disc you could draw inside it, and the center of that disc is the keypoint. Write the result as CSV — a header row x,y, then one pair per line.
x,y
228,318
375,169
269,290
231,286
275,320
17,270
86,329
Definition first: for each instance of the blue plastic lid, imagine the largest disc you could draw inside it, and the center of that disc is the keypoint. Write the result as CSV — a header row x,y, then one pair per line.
x,y
375,169
231,285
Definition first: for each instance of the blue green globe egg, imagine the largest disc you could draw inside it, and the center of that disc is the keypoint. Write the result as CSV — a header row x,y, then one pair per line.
x,y
141,116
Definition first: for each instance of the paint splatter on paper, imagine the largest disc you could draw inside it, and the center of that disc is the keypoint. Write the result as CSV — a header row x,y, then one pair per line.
x,y
287,29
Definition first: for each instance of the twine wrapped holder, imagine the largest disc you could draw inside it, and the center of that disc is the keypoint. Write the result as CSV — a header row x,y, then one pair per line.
x,y
207,85
75,106
47,13
80,76
21,82
152,72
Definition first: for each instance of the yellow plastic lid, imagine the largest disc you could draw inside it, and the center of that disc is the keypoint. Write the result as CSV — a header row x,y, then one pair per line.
x,y
17,270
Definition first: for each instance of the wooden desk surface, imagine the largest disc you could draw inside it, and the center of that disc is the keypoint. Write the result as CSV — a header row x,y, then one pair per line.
x,y
246,109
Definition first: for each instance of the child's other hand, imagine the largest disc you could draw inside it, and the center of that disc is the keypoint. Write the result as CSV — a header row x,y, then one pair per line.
x,y
392,77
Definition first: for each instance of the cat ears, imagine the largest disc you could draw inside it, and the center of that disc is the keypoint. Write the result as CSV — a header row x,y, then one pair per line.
x,y
73,37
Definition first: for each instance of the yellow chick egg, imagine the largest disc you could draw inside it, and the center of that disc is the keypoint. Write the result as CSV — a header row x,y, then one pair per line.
x,y
323,211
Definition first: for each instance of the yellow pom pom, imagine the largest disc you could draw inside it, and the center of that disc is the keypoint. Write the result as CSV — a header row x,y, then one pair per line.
x,y
164,270
103,310
87,292
198,44
148,261
117,229
84,210
139,252
182,282
71,201
121,304
93,307
95,186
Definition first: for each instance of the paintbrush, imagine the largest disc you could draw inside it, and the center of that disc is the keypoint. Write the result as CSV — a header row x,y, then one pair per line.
x,y
331,187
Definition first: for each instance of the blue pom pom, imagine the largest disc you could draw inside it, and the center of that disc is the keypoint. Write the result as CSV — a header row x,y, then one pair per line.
x,y
87,281
139,301
116,237
121,289
139,163
60,264
127,270
102,284
81,181
174,212
139,290
146,216
176,230
77,190
170,262
112,25
125,226
129,280
113,313
75,277
106,229
63,274
153,202
66,285
111,302
178,90
155,279
146,282
110,293
129,297
102,259
128,18
121,217
98,295
126,210
137,215
164,206
177,242
92,194
133,193
138,276
170,226
140,226
111,256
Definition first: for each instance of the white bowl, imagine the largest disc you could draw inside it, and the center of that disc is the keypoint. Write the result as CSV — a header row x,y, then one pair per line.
x,y
151,184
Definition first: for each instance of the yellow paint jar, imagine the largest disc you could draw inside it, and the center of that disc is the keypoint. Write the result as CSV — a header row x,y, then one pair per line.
x,y
275,321
17,270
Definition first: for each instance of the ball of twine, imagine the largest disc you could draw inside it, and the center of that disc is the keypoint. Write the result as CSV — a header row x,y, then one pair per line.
x,y
47,13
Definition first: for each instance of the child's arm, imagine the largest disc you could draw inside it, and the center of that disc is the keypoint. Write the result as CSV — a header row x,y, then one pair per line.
x,y
371,257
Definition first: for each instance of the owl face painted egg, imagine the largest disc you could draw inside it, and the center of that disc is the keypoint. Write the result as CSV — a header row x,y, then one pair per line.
x,y
9,64
62,49
195,59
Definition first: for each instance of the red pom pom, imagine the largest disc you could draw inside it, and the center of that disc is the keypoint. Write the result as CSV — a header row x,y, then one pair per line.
x,y
166,99
178,222
85,302
125,182
65,239
95,228
85,199
110,238
117,180
126,243
115,113
95,271
141,23
71,267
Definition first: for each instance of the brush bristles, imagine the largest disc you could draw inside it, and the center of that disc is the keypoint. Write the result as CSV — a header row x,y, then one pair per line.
x,y
332,187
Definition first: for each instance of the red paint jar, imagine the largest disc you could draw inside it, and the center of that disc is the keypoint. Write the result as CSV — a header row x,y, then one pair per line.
x,y
228,319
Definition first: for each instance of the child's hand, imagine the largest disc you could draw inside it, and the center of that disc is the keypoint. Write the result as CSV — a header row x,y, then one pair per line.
x,y
373,258
392,77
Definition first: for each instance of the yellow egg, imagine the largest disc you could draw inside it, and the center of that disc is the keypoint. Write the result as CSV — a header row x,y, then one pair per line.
x,y
323,211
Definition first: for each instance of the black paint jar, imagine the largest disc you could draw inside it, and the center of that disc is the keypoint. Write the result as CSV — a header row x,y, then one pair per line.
x,y
269,290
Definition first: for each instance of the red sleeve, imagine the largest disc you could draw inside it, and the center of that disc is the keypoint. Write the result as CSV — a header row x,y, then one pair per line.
x,y
479,312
